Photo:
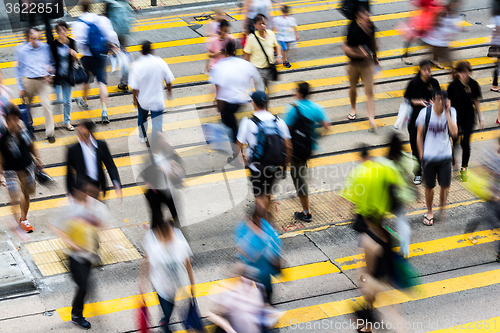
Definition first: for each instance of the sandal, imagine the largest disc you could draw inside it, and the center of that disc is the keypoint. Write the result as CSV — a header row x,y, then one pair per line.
x,y
351,116
428,221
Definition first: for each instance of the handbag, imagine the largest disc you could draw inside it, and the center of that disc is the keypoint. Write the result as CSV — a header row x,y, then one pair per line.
x,y
193,321
272,67
493,52
76,74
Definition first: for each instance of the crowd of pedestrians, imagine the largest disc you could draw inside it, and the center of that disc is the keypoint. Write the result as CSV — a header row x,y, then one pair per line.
x,y
267,143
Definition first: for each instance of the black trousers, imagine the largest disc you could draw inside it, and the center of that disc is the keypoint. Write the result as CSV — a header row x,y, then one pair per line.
x,y
412,131
227,111
464,133
155,199
80,272
495,74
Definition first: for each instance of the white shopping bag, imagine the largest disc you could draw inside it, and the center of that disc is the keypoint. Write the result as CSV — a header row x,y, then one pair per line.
x,y
404,115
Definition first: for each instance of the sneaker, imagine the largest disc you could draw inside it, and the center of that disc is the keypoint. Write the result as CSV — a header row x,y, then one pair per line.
x,y
105,119
51,139
123,87
287,64
83,104
81,322
463,175
417,180
69,127
303,217
143,140
26,226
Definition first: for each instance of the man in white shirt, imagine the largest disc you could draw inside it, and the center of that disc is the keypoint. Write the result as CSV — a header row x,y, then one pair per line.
x,y
232,90
435,125
146,81
262,172
94,64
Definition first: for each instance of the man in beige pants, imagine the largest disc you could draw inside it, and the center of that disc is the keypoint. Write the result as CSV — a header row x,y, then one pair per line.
x,y
34,76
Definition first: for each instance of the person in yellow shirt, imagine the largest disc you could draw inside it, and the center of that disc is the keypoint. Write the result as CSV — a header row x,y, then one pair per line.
x,y
253,51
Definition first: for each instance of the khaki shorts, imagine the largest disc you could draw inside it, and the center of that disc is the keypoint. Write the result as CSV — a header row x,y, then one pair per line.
x,y
20,182
361,69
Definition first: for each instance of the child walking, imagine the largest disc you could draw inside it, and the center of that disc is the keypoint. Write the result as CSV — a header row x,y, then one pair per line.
x,y
285,28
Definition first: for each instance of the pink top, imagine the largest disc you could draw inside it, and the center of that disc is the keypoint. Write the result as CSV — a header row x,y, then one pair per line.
x,y
215,45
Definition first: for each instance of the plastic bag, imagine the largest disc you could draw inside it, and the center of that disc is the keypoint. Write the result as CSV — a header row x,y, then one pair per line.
x,y
404,115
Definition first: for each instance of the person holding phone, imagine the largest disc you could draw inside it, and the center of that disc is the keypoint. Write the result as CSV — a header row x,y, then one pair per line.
x,y
419,94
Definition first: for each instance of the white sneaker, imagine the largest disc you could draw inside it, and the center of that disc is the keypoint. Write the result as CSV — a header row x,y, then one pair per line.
x,y
143,140
417,180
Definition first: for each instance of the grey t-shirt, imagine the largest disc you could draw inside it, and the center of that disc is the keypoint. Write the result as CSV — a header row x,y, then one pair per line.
x,y
437,145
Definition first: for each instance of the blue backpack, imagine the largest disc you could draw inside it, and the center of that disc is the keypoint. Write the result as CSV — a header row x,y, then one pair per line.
x,y
96,41
270,148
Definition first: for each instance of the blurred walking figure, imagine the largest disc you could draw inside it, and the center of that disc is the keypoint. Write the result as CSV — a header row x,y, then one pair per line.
x,y
232,90
421,23
269,148
162,171
78,229
35,73
121,15
488,189
259,247
95,37
464,93
403,194
147,76
302,118
64,53
251,9
260,49
419,94
287,35
217,44
167,257
17,167
443,33
495,48
435,125
85,160
361,49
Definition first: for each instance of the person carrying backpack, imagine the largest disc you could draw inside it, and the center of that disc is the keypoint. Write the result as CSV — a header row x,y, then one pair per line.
x,y
269,148
435,124
302,118
95,37
121,15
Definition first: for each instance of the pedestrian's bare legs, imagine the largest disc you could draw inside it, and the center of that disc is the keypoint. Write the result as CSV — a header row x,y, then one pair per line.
x,y
429,198
443,198
103,93
352,96
24,205
263,200
304,200
285,59
370,109
85,91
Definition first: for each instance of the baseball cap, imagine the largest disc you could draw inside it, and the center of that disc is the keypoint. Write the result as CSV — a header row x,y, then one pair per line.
x,y
259,97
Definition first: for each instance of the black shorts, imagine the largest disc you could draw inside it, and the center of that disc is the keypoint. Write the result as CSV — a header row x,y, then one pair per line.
x,y
441,169
95,66
263,181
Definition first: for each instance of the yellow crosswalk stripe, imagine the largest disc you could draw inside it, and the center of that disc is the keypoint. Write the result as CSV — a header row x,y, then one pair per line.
x,y
491,325
302,314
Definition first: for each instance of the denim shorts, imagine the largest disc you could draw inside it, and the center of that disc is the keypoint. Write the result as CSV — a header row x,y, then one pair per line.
x,y
285,46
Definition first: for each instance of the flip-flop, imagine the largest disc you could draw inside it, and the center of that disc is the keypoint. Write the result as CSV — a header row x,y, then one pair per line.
x,y
351,116
428,221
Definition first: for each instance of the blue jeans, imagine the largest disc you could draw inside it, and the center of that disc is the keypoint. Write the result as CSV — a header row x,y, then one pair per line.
x,y
142,119
167,308
66,99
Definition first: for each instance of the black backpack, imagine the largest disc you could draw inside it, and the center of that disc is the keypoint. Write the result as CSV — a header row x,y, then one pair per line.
x,y
301,133
270,148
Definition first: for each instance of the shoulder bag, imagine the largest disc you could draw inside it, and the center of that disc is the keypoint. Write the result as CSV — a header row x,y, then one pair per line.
x,y
76,74
272,67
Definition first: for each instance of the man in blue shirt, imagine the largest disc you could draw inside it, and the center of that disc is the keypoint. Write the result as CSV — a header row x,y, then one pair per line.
x,y
34,75
301,116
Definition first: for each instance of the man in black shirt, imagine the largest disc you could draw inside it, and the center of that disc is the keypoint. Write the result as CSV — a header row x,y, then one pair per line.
x,y
16,166
464,93
419,93
362,52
